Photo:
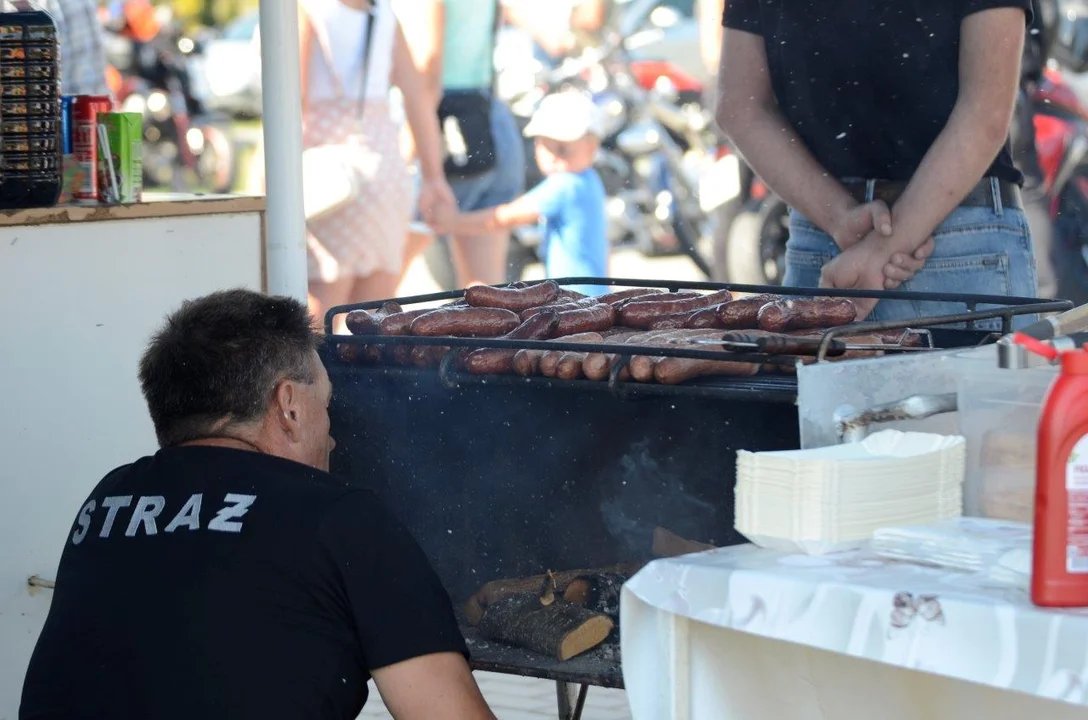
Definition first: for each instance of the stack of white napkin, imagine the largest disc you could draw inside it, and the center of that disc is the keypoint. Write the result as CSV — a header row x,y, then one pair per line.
x,y
834,498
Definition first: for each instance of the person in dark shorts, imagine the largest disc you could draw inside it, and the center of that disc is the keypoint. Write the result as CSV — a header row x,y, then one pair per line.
x,y
230,575
844,106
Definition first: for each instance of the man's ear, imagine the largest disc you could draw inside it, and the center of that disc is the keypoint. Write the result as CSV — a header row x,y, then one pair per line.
x,y
285,401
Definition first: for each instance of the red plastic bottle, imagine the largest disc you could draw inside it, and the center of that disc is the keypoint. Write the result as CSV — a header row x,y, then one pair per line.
x,y
1060,557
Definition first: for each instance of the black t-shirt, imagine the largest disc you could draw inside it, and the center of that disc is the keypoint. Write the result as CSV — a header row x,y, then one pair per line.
x,y
867,85
211,583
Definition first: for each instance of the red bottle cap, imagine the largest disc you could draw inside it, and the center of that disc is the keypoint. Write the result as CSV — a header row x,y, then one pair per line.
x,y
1075,362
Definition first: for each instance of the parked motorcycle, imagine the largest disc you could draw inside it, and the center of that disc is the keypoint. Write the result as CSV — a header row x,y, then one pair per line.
x,y
657,141
653,148
1061,142
185,148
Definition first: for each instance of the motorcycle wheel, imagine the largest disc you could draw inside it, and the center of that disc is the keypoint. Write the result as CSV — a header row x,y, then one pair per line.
x,y
1069,251
217,164
756,247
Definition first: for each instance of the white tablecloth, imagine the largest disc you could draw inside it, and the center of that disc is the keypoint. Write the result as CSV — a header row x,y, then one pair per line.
x,y
750,633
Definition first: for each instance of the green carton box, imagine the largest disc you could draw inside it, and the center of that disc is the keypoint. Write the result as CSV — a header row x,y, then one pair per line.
x,y
120,157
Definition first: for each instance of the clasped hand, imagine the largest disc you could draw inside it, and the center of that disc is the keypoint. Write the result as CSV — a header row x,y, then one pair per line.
x,y
869,260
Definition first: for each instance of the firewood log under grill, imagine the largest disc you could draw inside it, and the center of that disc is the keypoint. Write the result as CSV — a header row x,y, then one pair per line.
x,y
559,629
598,592
497,590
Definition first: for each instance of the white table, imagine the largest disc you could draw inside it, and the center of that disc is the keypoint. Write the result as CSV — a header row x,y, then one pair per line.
x,y
748,633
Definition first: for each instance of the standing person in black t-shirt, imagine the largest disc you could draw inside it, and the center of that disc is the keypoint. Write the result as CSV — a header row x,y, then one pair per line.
x,y
835,104
229,575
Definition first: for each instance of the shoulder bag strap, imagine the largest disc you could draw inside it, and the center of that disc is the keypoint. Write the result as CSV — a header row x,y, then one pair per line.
x,y
364,72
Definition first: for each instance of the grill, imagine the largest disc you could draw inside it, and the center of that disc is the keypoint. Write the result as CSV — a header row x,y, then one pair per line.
x,y
509,477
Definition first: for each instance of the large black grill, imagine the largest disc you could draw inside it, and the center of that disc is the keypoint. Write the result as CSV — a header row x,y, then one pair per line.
x,y
507,477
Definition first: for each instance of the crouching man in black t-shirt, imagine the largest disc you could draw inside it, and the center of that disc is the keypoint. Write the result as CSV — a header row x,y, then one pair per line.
x,y
229,575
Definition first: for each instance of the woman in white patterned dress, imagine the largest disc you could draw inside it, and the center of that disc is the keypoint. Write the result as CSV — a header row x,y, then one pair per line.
x,y
355,253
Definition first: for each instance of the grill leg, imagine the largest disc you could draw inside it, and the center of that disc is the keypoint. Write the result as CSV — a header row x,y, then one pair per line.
x,y
571,699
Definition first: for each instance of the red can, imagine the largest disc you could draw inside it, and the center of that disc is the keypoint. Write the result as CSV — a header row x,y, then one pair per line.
x,y
85,109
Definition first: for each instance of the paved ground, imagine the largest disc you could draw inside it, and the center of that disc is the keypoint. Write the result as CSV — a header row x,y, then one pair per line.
x,y
514,698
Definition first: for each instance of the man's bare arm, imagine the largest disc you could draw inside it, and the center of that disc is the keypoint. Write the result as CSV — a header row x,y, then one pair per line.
x,y
749,114
710,32
432,687
991,43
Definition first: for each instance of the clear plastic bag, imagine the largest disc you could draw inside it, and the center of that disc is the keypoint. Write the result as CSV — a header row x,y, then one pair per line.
x,y
999,549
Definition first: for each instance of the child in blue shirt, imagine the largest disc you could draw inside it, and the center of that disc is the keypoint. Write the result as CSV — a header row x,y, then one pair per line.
x,y
570,202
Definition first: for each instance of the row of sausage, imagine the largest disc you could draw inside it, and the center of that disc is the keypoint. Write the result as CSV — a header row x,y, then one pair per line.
x,y
543,311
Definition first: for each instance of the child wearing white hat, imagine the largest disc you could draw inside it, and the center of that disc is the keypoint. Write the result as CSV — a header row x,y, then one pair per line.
x,y
570,202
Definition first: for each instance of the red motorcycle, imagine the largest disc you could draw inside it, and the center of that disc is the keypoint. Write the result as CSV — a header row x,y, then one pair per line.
x,y
1060,122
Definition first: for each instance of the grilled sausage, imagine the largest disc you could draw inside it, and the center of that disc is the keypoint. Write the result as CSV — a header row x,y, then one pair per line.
x,y
641,313
583,320
743,314
527,362
428,356
500,361
362,322
565,294
400,323
622,295
549,360
557,306
598,366
661,297
349,353
703,319
673,370
513,299
569,366
465,322
642,367
675,321
399,354
806,313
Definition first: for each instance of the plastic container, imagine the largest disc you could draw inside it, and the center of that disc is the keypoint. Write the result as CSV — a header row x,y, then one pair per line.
x,y
1060,552
30,108
999,416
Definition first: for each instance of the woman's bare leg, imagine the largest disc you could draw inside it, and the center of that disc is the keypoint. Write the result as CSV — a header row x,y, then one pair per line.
x,y
480,260
375,286
327,295
417,243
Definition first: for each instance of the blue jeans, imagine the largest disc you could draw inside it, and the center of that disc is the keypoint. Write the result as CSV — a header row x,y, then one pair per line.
x,y
506,181
979,250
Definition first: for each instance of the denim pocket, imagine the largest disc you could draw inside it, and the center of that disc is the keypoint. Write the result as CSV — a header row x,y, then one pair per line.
x,y
983,274
977,274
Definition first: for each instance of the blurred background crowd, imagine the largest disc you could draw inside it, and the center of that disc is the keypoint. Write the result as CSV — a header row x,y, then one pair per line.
x,y
677,202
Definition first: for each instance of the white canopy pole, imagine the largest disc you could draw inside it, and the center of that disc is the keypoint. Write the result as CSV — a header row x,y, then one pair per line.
x,y
285,224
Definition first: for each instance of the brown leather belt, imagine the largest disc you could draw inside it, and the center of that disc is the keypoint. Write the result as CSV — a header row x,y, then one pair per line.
x,y
980,195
